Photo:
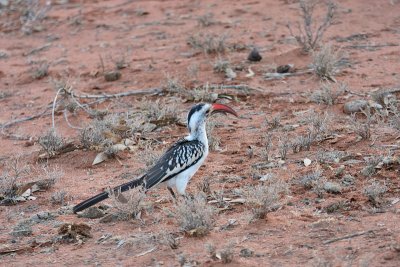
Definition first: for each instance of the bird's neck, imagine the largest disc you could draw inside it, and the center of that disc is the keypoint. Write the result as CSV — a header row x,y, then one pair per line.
x,y
199,133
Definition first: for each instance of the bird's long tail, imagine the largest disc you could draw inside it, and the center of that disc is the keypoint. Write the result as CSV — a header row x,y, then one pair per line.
x,y
102,196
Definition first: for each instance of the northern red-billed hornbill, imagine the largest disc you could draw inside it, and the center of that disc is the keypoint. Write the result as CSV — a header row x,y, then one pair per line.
x,y
179,163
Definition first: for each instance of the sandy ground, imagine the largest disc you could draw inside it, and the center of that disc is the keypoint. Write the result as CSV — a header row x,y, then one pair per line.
x,y
80,40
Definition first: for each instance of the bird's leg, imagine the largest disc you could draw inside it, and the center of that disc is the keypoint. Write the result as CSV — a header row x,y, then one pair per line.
x,y
172,192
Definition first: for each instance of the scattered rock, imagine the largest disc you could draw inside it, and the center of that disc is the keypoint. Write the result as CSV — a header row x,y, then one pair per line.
x,y
285,68
112,76
332,187
3,54
92,213
254,55
246,253
355,106
307,162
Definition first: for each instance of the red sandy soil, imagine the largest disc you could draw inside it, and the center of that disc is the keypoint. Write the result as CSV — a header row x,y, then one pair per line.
x,y
153,37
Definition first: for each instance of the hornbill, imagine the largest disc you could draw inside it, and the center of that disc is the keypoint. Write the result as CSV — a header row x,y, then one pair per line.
x,y
179,163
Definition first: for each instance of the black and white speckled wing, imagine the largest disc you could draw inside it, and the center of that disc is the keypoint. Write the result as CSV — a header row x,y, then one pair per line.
x,y
178,158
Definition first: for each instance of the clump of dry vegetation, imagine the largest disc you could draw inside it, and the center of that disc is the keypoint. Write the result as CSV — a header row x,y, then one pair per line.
x,y
40,71
283,146
326,62
316,181
375,192
266,197
210,44
48,176
328,94
318,126
225,254
174,85
206,20
16,179
309,36
213,139
51,142
221,65
129,205
160,112
58,198
26,15
13,171
362,127
194,216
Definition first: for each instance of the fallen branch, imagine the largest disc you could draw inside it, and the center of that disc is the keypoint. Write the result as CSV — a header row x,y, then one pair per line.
x,y
243,87
153,91
54,108
146,252
370,46
69,124
38,49
346,237
10,123
275,75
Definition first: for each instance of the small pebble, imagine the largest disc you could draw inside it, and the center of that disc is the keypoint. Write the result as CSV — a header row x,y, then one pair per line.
x,y
254,55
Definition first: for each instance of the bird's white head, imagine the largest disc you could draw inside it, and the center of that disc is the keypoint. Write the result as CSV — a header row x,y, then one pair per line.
x,y
198,114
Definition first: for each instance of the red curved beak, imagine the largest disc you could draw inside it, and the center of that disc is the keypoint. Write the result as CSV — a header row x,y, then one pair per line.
x,y
221,108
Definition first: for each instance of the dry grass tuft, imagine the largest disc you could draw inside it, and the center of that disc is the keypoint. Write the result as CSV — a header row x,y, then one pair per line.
x,y
310,36
265,197
51,142
315,181
375,192
210,44
213,139
206,20
194,216
225,254
158,111
327,94
129,205
58,198
325,62
363,127
13,171
41,71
